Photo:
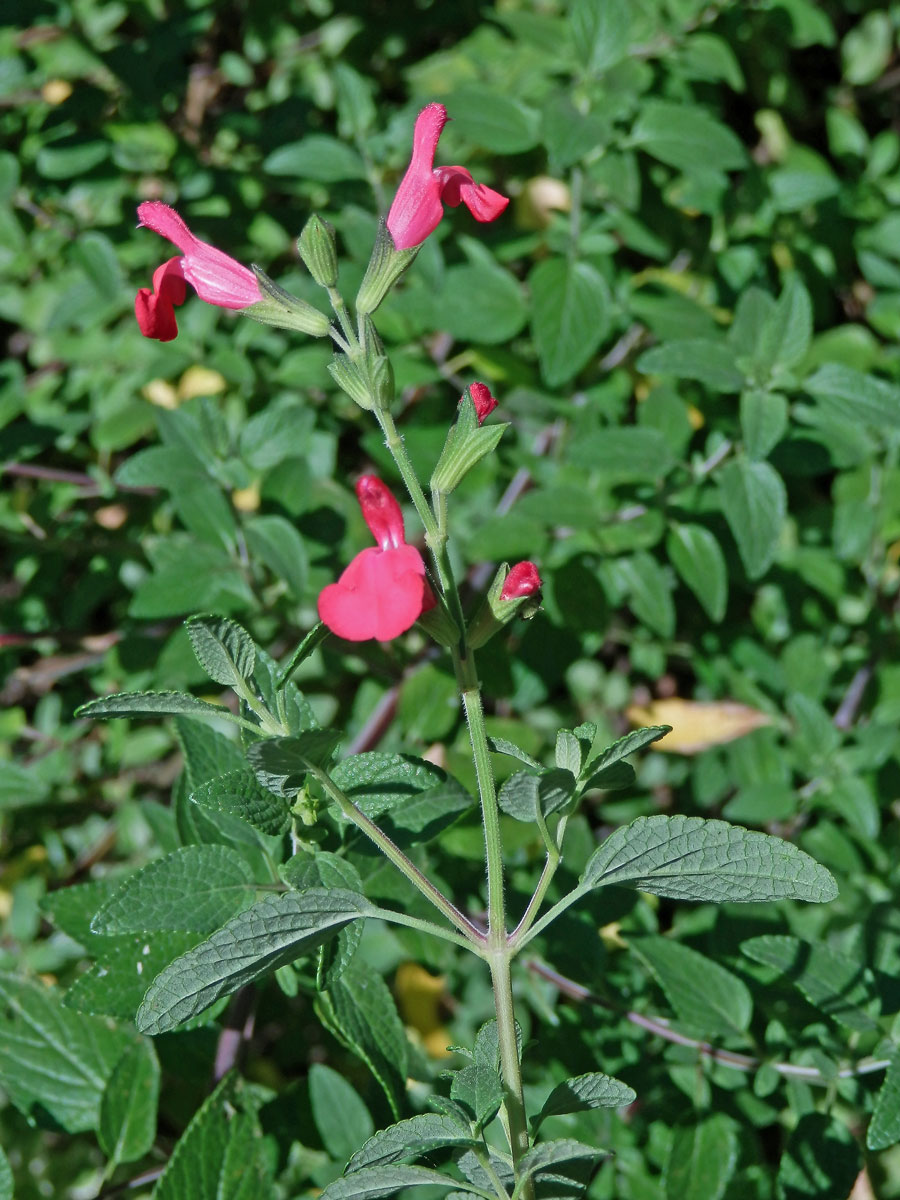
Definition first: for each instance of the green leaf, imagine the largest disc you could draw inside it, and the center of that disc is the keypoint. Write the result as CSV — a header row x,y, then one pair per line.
x,y
649,591
274,540
601,33
6,1177
480,301
754,502
282,763
569,316
854,396
707,998
686,136
787,331
360,1011
696,555
151,704
20,787
764,421
125,967
54,1062
702,1157
523,794
379,782
821,1158
411,1139
239,794
689,858
602,769
257,941
479,1087
709,362
542,1157
373,1182
224,649
633,453
511,750
840,986
884,1127
341,1117
195,889
127,1126
583,1092
221,1155
493,119
317,157
206,752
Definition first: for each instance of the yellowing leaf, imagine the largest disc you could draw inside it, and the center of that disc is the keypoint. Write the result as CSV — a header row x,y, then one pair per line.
x,y
696,726
161,393
200,381
419,997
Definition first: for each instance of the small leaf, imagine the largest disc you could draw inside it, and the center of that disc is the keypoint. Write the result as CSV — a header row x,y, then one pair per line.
x,y
570,318
238,793
411,1139
884,1127
151,704
702,1158
259,940
379,782
707,998
583,1092
480,1089
341,1116
708,361
857,397
551,1154
840,986
697,557
689,858
523,794
281,763
787,331
373,1182
649,591
604,769
511,750
601,32
194,889
686,136
754,502
764,421
821,1158
127,1126
223,648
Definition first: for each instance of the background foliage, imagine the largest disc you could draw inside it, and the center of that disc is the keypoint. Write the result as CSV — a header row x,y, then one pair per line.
x,y
690,315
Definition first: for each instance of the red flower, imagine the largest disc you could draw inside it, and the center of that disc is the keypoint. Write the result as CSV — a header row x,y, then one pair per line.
x,y
383,591
416,211
215,276
482,399
523,580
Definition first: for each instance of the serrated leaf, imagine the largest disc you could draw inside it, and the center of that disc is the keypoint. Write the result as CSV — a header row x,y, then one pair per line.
x,y
709,362
689,858
583,1092
257,941
54,1062
821,1158
127,1126
854,396
151,704
239,794
884,1127
707,997
224,649
524,794
327,870
373,1182
754,502
360,1011
195,889
840,986
480,1089
569,751
115,984
511,750
552,1154
378,782
221,1155
702,1157
341,1116
569,316
410,1139
601,769
280,764
697,557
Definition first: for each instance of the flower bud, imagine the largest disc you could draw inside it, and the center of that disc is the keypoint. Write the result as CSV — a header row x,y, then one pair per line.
x,y
385,267
352,379
467,443
512,593
482,399
284,311
316,247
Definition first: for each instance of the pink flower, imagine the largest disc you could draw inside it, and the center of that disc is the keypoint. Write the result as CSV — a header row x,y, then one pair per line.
x,y
383,591
215,276
416,210
482,399
523,580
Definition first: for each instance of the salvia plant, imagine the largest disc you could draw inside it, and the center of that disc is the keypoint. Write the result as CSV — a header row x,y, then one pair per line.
x,y
293,843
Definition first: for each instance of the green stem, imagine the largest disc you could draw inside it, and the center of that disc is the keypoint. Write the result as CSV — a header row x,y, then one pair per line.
x,y
423,926
522,940
475,939
267,722
517,1125
340,311
553,860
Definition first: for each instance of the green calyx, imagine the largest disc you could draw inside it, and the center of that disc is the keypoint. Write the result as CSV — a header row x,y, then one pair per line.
x,y
279,308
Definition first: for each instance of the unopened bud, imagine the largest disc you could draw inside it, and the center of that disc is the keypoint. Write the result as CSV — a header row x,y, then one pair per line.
x,y
511,594
316,247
